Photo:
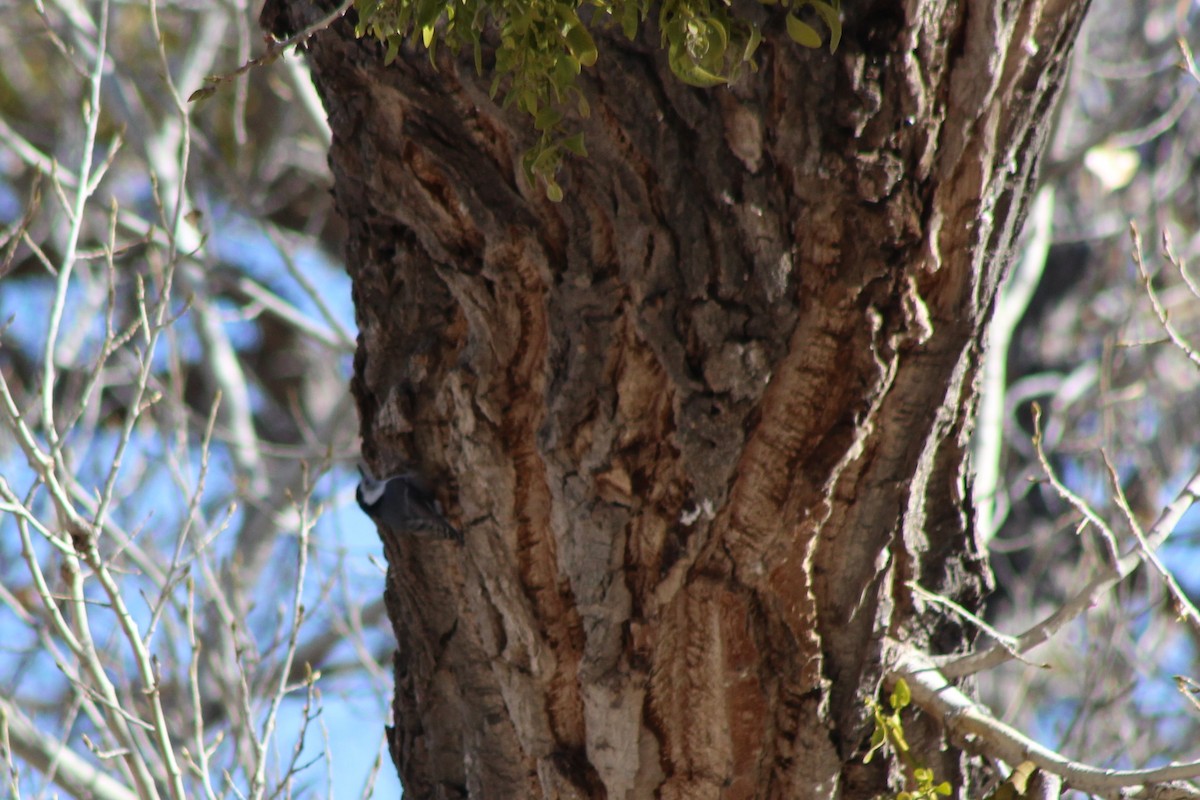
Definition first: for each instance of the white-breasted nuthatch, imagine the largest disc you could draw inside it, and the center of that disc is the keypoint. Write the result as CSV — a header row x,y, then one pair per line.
x,y
403,504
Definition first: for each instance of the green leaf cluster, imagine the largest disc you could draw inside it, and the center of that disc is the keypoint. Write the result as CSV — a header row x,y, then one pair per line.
x,y
544,44
706,46
889,730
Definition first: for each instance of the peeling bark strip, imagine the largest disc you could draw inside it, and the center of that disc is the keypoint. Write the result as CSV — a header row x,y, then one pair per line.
x,y
700,421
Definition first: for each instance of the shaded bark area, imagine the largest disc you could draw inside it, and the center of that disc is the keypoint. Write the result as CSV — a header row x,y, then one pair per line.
x,y
703,420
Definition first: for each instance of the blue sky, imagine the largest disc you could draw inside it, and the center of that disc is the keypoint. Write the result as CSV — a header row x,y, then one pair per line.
x,y
345,547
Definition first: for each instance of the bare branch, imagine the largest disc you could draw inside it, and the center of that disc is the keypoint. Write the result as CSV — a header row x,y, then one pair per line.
x,y
1160,311
1110,576
969,723
73,773
83,192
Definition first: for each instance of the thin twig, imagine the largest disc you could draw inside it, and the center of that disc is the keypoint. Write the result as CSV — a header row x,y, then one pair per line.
x,y
1009,643
1163,527
72,772
1159,310
275,49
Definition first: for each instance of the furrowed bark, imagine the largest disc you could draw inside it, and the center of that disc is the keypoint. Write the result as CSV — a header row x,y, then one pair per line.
x,y
701,421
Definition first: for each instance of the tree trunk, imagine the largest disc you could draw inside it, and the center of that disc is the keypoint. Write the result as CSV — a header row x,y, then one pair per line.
x,y
701,422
